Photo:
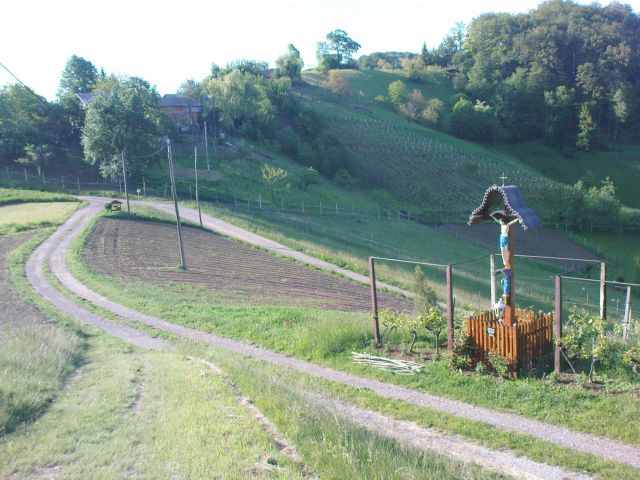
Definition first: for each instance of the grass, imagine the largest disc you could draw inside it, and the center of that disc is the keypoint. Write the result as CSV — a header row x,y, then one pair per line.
x,y
40,348
31,216
105,425
10,196
328,337
273,378
619,164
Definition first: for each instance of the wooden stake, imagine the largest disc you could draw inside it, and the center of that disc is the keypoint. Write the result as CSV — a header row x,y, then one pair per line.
x,y
195,171
557,328
603,289
450,307
374,302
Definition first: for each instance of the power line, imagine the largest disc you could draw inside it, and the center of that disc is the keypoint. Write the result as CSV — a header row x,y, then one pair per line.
x,y
40,99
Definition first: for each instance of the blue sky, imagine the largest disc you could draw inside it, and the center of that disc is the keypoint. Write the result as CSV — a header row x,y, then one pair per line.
x,y
168,42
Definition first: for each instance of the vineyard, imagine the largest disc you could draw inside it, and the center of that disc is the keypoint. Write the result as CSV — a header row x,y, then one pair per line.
x,y
439,172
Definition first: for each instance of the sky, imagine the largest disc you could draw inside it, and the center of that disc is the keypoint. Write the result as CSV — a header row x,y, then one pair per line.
x,y
169,42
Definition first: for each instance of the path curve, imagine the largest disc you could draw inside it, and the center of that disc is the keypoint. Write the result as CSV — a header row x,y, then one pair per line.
x,y
52,248
584,442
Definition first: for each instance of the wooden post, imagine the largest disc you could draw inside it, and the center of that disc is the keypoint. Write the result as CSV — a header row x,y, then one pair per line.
x,y
450,307
603,289
206,147
557,327
126,189
627,316
165,189
144,187
492,278
374,302
78,182
62,178
44,182
195,170
175,203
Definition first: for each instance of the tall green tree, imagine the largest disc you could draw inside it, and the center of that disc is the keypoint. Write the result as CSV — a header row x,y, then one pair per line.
x,y
586,127
290,64
337,51
79,76
123,121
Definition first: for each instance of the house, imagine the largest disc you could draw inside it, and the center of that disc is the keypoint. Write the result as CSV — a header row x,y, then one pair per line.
x,y
185,111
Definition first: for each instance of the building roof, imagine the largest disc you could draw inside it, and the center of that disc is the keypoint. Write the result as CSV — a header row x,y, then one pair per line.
x,y
172,100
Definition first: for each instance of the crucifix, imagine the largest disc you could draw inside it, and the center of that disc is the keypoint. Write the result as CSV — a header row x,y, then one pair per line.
x,y
505,205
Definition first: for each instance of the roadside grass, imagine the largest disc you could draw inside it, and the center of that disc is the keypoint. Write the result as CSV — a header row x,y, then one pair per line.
x,y
16,218
335,447
328,337
10,196
143,414
40,347
264,387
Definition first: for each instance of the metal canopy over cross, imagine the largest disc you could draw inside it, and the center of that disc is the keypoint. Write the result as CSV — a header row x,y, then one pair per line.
x,y
503,178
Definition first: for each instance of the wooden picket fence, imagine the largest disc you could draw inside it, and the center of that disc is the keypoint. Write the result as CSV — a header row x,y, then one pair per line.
x,y
524,344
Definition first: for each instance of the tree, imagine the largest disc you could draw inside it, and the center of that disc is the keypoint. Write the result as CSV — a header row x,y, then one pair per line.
x,y
398,92
276,178
559,124
79,76
337,51
586,127
124,121
338,83
290,64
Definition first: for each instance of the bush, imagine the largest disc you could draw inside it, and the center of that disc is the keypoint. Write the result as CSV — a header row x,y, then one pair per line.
x,y
499,363
309,176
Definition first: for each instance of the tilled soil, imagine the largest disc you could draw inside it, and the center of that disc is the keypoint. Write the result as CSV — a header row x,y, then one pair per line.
x,y
233,272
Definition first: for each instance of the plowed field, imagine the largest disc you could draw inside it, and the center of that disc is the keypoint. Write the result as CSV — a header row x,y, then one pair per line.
x,y
232,272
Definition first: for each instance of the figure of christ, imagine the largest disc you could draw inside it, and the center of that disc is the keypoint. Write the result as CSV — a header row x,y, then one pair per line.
x,y
504,237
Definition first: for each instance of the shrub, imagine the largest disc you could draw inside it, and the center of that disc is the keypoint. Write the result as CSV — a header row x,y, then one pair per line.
x,y
309,176
584,338
499,363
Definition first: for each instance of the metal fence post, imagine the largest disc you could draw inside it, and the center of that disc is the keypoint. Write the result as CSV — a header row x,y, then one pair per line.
x,y
603,289
374,302
557,327
450,307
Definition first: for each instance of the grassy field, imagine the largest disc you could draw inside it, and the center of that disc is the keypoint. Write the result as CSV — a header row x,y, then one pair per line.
x,y
621,165
329,337
13,195
30,216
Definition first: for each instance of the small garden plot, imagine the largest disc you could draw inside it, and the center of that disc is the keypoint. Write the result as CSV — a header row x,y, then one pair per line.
x,y
232,272
27,216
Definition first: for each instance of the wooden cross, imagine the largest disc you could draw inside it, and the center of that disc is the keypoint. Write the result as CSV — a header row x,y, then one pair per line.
x,y
503,178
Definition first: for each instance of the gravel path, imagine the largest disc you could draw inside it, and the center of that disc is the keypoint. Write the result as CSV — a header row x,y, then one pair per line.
x,y
452,446
54,248
584,442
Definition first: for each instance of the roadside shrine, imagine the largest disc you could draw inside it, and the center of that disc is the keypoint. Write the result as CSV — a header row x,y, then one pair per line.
x,y
521,336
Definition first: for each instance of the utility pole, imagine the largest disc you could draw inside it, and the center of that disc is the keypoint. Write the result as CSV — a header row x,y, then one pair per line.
x,y
126,190
195,169
206,147
183,263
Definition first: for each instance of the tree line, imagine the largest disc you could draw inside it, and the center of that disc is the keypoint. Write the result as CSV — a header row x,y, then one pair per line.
x,y
565,73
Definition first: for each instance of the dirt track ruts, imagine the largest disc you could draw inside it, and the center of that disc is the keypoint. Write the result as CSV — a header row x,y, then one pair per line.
x,y
584,442
55,248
